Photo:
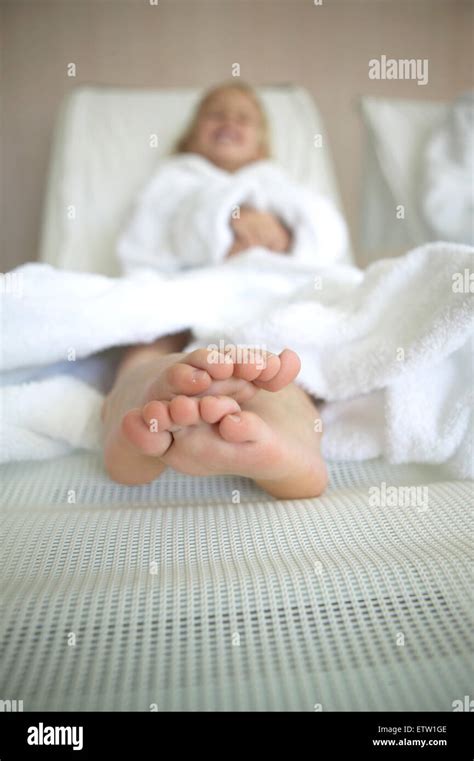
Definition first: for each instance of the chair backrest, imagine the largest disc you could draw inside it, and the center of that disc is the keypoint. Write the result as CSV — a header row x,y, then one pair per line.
x,y
397,131
108,141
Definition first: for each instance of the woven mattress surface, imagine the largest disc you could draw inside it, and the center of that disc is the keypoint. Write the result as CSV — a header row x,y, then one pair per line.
x,y
206,594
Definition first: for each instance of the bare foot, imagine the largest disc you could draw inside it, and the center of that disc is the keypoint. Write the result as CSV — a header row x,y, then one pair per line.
x,y
271,439
130,456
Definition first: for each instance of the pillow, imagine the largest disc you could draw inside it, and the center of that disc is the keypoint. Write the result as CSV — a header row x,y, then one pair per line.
x,y
396,134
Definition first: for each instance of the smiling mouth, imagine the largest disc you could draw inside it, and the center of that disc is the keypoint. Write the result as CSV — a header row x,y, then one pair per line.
x,y
226,137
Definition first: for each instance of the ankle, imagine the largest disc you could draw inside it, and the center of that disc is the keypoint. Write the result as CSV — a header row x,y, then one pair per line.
x,y
170,344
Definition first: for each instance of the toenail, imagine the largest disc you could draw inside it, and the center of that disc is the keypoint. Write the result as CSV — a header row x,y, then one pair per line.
x,y
235,417
199,375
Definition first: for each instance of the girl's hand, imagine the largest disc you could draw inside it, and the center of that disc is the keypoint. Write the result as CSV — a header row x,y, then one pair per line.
x,y
259,228
237,248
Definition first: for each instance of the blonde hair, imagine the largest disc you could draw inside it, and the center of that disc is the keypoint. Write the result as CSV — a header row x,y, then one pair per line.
x,y
183,143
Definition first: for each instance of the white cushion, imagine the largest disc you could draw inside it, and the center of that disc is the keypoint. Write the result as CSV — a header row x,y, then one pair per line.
x,y
397,132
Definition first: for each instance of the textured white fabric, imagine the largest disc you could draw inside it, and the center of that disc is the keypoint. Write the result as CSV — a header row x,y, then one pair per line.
x,y
448,169
388,348
397,132
182,217
49,418
181,598
109,141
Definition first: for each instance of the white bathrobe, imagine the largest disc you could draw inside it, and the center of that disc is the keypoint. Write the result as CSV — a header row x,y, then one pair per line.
x,y
182,217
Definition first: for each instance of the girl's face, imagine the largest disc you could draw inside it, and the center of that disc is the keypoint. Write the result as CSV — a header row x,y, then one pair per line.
x,y
228,131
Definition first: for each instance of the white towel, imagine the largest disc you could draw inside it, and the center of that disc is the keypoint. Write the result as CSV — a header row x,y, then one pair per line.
x,y
388,348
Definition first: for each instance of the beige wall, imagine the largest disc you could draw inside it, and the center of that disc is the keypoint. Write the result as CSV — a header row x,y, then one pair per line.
x,y
194,42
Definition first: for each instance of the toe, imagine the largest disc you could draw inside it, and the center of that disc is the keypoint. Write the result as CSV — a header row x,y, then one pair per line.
x,y
217,364
213,408
184,410
137,432
249,362
196,371
182,378
157,416
243,427
290,366
271,367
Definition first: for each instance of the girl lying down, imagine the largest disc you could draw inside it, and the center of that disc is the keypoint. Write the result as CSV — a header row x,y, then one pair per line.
x,y
231,414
